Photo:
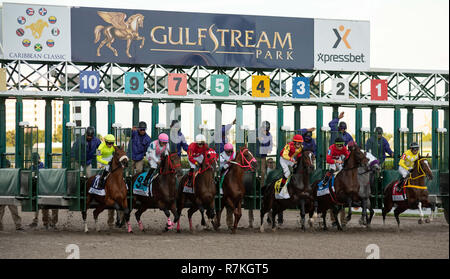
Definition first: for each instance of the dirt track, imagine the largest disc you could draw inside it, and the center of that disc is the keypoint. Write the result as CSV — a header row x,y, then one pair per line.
x,y
413,240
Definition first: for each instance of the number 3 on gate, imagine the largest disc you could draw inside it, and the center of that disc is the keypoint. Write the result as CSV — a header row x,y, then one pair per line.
x,y
300,87
134,83
177,84
260,86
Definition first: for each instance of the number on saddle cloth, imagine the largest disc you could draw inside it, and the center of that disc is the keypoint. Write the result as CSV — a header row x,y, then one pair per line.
x,y
95,188
139,188
325,189
396,195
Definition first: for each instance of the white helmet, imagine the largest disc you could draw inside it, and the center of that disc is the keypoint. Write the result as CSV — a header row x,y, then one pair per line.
x,y
200,138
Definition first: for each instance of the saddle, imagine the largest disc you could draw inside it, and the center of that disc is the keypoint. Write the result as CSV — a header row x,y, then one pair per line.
x,y
96,189
140,189
186,187
282,193
399,195
324,189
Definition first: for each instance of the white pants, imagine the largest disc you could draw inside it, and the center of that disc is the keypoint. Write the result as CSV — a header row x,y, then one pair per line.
x,y
199,159
336,167
403,172
285,164
153,164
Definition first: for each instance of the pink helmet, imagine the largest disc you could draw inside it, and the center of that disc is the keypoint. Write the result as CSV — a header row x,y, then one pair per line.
x,y
228,147
163,137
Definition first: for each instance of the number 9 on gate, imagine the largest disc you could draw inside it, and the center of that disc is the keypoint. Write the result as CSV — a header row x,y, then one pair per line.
x,y
134,83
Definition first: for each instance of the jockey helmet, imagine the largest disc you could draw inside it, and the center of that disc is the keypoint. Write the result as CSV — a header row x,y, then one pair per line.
x,y
378,130
307,136
265,125
342,126
228,147
339,140
413,145
298,138
109,138
200,138
90,131
142,125
163,137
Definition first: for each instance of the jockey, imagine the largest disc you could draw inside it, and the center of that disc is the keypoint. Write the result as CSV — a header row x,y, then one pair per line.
x,y
196,151
104,155
289,155
226,156
406,163
155,150
335,157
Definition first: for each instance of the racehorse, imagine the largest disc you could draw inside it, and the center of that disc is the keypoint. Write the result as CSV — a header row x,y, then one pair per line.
x,y
346,186
416,193
233,186
299,190
366,178
115,190
204,191
120,29
163,192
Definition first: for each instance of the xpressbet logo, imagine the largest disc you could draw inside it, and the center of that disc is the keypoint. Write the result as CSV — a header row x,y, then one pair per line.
x,y
339,38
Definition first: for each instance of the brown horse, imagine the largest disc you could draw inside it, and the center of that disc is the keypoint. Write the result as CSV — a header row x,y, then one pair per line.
x,y
164,190
299,189
346,186
204,191
115,190
233,186
416,193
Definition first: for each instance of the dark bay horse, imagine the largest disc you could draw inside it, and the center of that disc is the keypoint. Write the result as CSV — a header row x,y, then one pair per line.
x,y
299,189
416,193
164,190
233,186
346,186
204,191
115,190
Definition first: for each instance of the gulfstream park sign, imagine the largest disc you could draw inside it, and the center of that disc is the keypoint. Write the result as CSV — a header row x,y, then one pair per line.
x,y
35,32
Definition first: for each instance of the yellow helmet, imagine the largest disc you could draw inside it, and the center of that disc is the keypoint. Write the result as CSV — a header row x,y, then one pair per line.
x,y
110,138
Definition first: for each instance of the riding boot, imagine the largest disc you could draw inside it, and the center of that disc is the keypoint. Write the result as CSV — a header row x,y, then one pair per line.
x,y
400,184
147,177
190,177
102,179
327,177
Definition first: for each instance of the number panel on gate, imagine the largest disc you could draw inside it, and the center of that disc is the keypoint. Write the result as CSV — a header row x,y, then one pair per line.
x,y
300,88
260,86
134,83
220,85
177,84
89,82
340,89
378,90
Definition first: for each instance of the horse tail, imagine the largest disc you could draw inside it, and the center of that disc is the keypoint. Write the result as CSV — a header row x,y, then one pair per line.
x,y
97,31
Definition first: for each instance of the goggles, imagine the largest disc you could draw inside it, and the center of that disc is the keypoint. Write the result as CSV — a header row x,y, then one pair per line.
x,y
109,143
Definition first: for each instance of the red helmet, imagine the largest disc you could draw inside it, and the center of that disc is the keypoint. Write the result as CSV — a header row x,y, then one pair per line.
x,y
298,138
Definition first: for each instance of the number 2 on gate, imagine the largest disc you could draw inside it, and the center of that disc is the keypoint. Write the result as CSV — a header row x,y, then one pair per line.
x,y
260,86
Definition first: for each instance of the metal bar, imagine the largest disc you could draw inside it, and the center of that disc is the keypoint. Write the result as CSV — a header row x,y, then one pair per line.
x,y
358,125
434,138
2,132
19,133
65,135
397,123
280,139
48,133
410,124
111,115
135,113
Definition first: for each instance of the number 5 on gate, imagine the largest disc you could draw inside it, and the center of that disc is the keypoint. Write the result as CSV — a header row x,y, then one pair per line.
x,y
260,86
177,84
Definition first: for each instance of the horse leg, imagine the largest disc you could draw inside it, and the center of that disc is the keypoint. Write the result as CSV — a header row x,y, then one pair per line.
x,y
190,213
237,216
397,212
169,224
430,218
202,212
180,205
324,219
302,213
96,212
216,223
349,216
174,211
335,212
420,212
128,47
363,220
138,214
387,205
84,213
273,214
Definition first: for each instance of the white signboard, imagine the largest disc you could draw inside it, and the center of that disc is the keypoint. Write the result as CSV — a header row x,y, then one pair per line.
x,y
36,32
340,88
341,45
1,35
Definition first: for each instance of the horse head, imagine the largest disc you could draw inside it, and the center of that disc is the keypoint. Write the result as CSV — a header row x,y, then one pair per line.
x,y
308,161
374,164
210,159
120,157
358,157
172,164
423,167
246,158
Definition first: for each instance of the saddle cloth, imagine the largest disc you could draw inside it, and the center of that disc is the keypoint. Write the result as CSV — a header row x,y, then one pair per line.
x,y
282,194
95,190
323,190
140,189
398,196
186,188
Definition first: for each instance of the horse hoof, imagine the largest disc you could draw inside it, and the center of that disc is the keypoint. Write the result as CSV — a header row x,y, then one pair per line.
x,y
178,231
427,221
420,221
261,229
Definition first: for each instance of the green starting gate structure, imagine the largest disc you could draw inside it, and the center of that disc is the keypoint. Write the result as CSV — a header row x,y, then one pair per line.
x,y
58,81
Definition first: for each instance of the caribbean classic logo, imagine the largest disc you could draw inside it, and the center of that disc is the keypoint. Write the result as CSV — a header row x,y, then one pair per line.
x,y
36,28
120,29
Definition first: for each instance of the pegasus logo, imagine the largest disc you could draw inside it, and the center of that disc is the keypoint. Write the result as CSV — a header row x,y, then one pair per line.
x,y
339,38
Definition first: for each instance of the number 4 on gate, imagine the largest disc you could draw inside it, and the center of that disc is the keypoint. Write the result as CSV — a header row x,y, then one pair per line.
x,y
260,86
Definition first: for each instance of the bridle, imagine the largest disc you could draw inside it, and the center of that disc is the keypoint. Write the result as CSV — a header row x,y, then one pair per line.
x,y
421,173
172,167
244,162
